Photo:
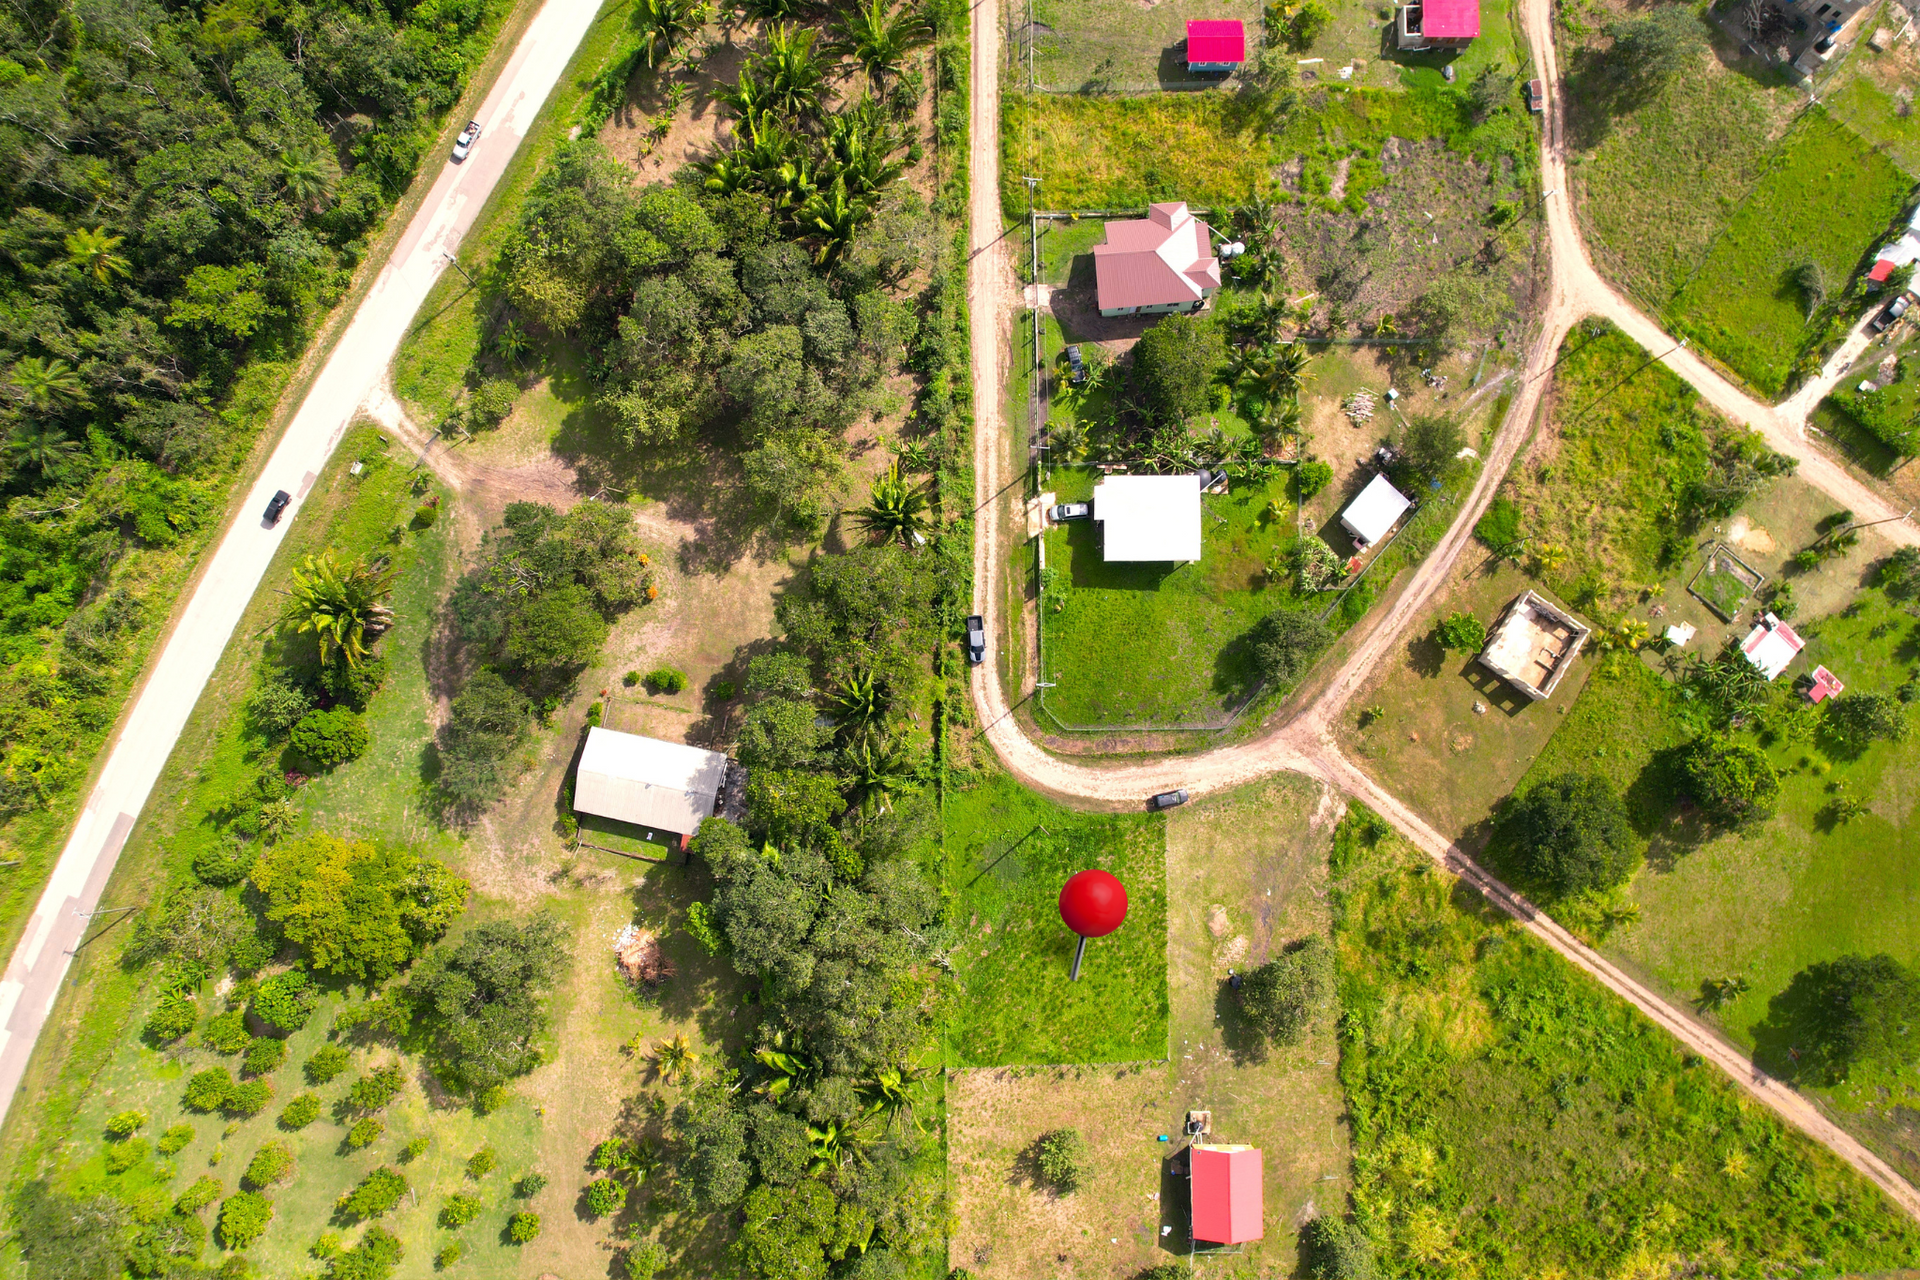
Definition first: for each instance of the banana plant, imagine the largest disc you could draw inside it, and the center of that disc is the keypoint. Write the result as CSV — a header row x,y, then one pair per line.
x,y
888,1092
859,701
784,1070
833,1143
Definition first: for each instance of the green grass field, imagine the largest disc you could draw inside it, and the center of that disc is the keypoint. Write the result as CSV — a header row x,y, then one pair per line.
x,y
1511,1118
1826,198
1007,853
1159,644
1863,95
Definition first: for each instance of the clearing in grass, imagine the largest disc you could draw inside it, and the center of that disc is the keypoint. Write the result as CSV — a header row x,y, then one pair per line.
x,y
1008,852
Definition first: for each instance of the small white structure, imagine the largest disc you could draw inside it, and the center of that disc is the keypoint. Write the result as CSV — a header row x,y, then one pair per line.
x,y
1155,518
648,782
1533,645
1372,515
1680,633
1771,646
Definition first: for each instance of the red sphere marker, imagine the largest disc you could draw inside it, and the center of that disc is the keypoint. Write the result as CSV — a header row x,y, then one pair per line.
x,y
1093,904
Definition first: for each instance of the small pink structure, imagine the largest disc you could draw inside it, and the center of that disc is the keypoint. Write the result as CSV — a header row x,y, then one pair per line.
x,y
1825,685
1228,1195
1215,44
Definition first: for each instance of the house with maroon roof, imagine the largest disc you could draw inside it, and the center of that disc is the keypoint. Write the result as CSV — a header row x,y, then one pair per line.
x,y
1216,44
1438,24
1155,265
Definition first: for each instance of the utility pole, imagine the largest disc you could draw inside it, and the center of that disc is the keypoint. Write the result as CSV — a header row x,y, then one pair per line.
x,y
457,267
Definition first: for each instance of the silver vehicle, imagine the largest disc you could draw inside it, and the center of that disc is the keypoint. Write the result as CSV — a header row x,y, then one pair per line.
x,y
463,145
1072,511
976,639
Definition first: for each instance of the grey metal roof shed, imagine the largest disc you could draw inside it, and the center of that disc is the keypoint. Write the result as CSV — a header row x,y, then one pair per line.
x,y
648,782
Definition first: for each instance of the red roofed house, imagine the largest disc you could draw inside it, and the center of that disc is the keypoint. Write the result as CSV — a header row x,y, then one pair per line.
x,y
1771,645
1825,685
1227,1194
1439,24
1216,44
1160,263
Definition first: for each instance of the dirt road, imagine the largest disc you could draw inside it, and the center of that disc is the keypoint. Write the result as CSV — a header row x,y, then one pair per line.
x,y
1304,744
206,621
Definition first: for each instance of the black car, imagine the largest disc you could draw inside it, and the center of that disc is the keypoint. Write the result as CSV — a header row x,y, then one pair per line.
x,y
1168,799
277,504
1076,368
976,638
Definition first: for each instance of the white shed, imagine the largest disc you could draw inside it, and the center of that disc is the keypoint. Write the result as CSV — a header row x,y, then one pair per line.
x,y
1149,517
1371,516
648,782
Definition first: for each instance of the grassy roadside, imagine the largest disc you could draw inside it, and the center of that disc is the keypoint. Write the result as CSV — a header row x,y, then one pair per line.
x,y
36,839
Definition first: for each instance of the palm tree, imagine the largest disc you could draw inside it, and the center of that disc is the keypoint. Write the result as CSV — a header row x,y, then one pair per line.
x,y
665,23
1290,361
879,39
511,341
1384,327
878,774
859,147
48,383
833,1143
835,217
895,508
41,446
914,455
889,1091
790,71
343,605
860,700
305,176
94,253
1067,441
773,10
674,1059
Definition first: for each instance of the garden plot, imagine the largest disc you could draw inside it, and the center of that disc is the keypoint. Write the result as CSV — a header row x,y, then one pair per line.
x,y
1724,583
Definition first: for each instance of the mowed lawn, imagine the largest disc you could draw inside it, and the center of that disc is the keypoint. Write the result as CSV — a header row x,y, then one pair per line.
x,y
1825,199
1008,852
1161,644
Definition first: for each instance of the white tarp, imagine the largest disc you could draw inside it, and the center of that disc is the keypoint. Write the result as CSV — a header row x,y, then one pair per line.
x,y
645,781
1372,515
1149,517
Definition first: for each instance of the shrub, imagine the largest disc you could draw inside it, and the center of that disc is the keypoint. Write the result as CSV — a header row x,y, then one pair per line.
x,y
1283,996
228,1033
426,515
172,1018
122,1156
125,1125
286,1000
1855,720
373,1091
374,1258
204,1191
1060,1157
449,1254
666,680
415,1148
630,679
643,1261
1499,528
248,1099
1732,782
530,1185
459,1210
365,1133
481,1163
225,861
264,1057
490,404
1571,834
1310,477
1337,1249
328,1061
277,705
1461,633
1286,642
174,1139
376,1193
208,1090
354,685
524,1228
243,1217
605,1196
270,1164
491,1099
1899,574
1315,564
331,738
301,1112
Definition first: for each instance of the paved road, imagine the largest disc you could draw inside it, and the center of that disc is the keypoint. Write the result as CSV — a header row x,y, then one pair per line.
x,y
1305,743
40,962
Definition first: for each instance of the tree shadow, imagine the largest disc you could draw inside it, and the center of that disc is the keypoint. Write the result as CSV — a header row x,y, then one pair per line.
x,y
1243,1041
1426,655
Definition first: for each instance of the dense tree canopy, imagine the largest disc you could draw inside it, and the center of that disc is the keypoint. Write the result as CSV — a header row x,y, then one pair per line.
x,y
1571,834
1731,780
360,910
1847,1012
482,1001
1174,364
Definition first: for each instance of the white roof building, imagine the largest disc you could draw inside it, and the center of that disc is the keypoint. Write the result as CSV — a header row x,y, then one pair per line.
x,y
1372,515
1533,645
1149,517
645,781
1771,645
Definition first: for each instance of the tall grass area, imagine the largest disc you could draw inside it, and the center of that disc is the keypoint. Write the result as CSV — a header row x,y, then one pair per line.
x,y
1826,198
1512,1118
1007,852
1215,151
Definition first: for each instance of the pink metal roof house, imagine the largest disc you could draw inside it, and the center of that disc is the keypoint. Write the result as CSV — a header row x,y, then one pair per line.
x,y
1438,24
1771,645
1227,1192
1216,44
1825,685
1161,263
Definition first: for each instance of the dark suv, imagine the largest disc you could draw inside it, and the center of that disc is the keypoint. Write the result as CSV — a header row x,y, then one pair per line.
x,y
1076,368
276,504
1168,799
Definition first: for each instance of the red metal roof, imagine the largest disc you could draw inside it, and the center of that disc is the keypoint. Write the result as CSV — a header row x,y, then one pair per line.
x,y
1227,1194
1163,258
1882,269
1216,40
1450,19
